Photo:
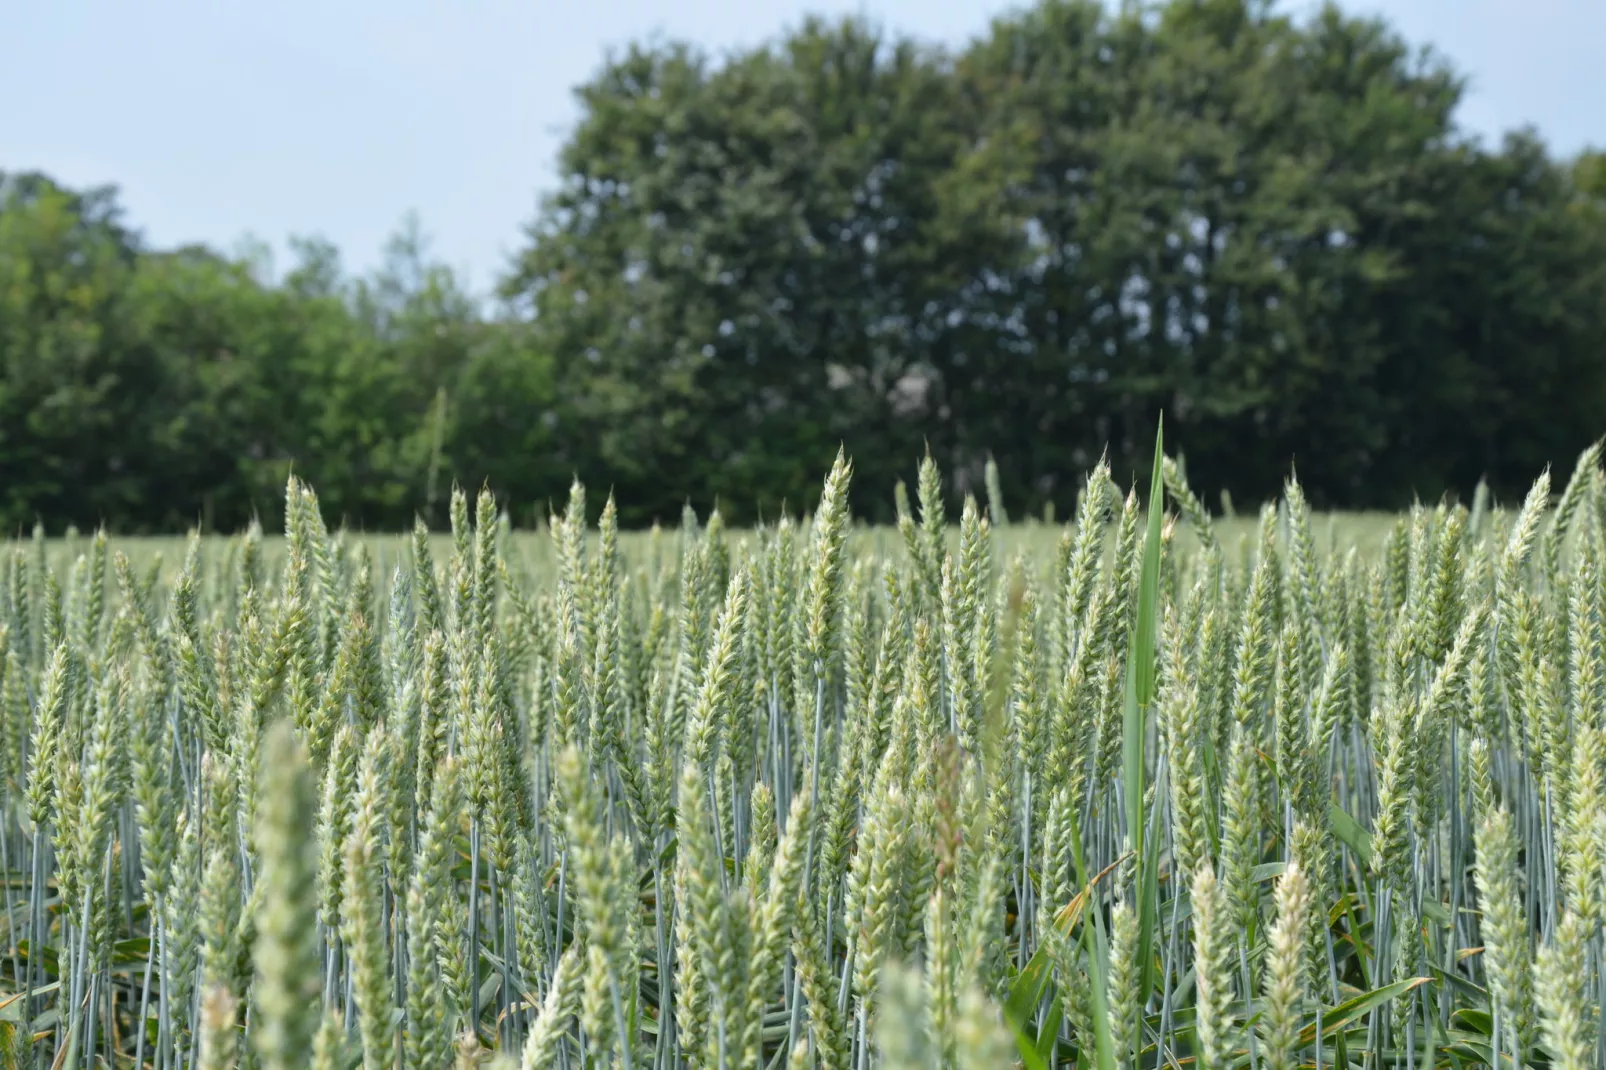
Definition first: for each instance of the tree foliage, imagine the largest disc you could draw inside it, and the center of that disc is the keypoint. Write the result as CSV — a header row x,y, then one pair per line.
x,y
154,390
1266,227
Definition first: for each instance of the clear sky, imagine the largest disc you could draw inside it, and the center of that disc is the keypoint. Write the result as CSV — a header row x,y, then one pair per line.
x,y
338,117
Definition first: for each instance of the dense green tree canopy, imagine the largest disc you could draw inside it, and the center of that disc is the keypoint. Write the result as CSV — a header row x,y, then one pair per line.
x,y
1265,227
754,262
156,390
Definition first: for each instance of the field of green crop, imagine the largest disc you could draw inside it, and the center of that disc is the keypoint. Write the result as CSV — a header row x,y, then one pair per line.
x,y
1157,789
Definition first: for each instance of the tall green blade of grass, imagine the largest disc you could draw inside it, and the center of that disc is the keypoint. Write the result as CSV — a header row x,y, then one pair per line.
x,y
1140,695
1140,676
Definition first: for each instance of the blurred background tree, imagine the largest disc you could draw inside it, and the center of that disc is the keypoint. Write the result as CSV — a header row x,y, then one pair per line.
x,y
1268,228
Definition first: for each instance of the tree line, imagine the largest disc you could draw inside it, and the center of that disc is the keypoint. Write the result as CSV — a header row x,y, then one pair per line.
x,y
1266,227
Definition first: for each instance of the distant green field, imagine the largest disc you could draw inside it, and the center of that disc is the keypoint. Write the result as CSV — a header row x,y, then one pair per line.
x,y
1032,539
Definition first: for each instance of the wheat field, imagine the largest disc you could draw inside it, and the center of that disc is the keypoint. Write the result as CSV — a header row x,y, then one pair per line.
x,y
1154,789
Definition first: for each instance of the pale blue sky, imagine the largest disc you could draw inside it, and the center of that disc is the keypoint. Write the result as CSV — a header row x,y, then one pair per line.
x,y
337,117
